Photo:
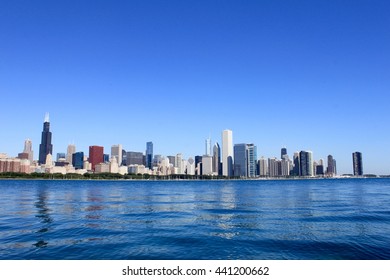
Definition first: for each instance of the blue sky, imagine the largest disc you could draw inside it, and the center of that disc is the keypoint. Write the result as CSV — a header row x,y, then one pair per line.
x,y
308,75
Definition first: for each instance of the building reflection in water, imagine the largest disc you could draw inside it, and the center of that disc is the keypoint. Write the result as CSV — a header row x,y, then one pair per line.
x,y
43,214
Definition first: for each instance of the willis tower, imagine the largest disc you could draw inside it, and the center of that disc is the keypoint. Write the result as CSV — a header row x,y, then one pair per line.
x,y
45,147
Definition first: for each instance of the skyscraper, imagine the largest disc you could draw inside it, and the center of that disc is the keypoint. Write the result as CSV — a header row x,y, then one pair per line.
x,y
69,153
357,164
116,151
28,150
283,152
306,163
45,147
149,155
78,160
96,155
217,159
331,169
227,153
208,147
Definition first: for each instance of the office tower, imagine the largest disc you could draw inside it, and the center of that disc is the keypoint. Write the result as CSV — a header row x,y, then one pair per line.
x,y
284,167
124,160
263,167
296,162
283,153
273,167
60,156
240,160
45,147
78,160
198,165
207,165
28,150
357,164
69,153
227,153
106,158
331,169
217,159
116,151
306,163
149,155
96,155
134,158
251,160
190,166
208,147
178,163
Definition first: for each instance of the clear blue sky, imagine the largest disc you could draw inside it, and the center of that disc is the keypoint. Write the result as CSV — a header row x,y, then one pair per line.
x,y
308,75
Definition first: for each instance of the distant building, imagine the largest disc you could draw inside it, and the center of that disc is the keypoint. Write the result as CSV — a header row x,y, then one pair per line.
x,y
190,166
331,169
172,160
296,162
45,147
207,165
227,153
245,157
96,155
78,160
357,161
134,158
116,151
283,153
60,156
149,155
106,158
69,153
217,166
263,167
306,163
28,150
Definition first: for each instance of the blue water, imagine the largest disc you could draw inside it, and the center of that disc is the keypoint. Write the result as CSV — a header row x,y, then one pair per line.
x,y
286,219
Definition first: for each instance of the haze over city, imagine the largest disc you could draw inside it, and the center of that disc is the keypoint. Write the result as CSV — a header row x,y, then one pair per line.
x,y
307,75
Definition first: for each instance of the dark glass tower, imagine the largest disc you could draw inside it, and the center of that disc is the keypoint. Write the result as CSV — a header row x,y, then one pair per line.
x,y
149,155
357,164
283,152
45,147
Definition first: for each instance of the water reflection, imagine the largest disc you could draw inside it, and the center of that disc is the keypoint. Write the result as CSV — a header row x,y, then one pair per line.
x,y
43,215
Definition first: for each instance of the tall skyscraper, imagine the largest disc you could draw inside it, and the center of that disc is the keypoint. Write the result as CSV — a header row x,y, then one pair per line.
x,y
116,151
149,155
96,155
45,147
331,169
28,150
217,159
134,158
306,163
357,164
69,153
227,153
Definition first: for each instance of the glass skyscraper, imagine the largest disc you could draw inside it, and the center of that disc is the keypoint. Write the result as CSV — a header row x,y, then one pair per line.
x,y
357,164
149,155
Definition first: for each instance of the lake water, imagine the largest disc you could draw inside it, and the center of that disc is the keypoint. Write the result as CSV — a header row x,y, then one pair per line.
x,y
281,219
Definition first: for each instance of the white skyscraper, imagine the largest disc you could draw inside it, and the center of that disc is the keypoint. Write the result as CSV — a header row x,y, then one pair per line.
x,y
207,165
227,152
116,151
69,153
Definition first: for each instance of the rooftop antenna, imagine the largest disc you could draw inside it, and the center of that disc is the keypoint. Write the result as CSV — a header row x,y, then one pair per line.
x,y
47,117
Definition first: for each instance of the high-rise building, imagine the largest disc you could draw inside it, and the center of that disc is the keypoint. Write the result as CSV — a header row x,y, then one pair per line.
x,y
227,153
357,164
273,167
28,150
245,157
263,167
172,160
45,147
217,168
306,163
133,158
78,160
331,169
207,165
96,155
69,153
149,155
283,153
296,171
208,147
60,156
116,151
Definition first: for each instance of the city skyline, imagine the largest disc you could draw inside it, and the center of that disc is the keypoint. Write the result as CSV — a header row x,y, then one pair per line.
x,y
310,76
